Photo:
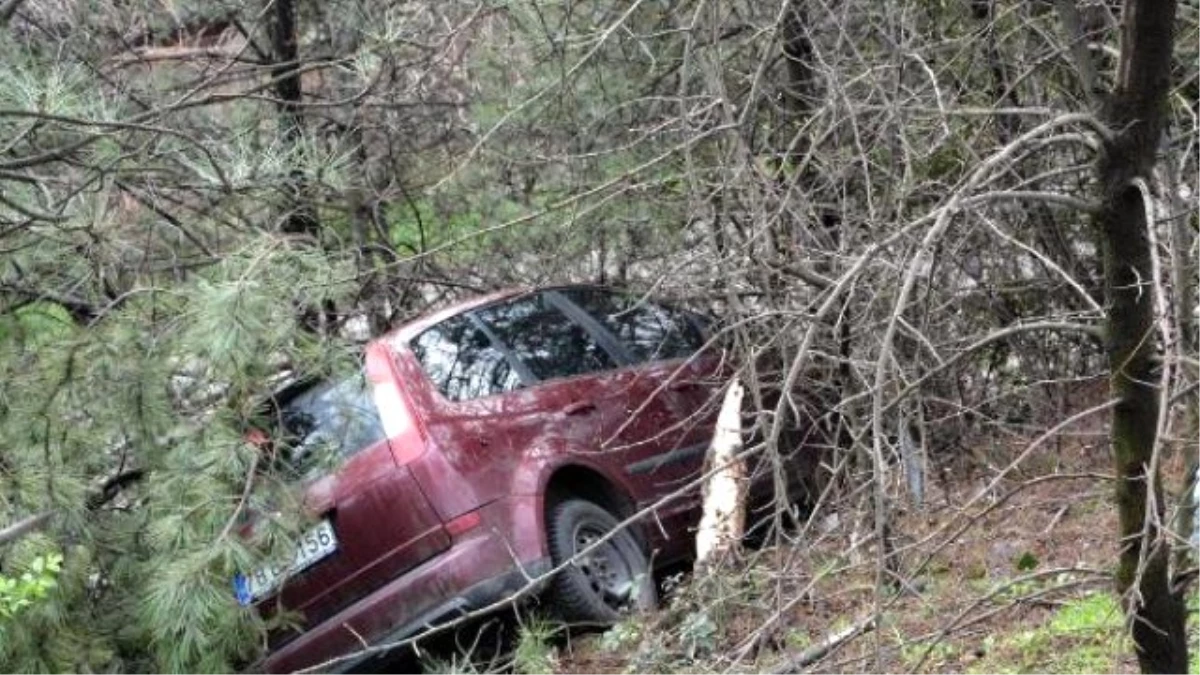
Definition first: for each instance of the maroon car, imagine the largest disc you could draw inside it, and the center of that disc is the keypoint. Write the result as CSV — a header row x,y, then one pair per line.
x,y
480,447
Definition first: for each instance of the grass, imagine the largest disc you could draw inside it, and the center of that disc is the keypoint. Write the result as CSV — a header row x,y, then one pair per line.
x,y
454,665
1086,635
535,651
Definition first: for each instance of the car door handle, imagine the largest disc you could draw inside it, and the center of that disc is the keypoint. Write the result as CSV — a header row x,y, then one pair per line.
x,y
579,408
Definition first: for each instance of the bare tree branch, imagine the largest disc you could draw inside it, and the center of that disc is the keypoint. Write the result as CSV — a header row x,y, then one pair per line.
x,y
7,10
25,526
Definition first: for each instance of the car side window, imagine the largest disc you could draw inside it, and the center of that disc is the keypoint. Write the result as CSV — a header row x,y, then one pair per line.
x,y
462,362
545,340
651,332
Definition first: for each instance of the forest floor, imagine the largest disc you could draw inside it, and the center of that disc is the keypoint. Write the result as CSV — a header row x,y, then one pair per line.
x,y
1027,587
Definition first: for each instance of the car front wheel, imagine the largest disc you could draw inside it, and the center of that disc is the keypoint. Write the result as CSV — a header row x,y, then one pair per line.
x,y
606,580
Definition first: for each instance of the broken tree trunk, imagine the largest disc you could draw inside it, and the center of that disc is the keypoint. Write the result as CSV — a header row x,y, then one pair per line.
x,y
724,519
301,217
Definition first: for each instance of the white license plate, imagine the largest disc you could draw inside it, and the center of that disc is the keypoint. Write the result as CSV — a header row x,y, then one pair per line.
x,y
314,545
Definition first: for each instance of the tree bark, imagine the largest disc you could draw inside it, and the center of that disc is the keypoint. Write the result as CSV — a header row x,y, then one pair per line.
x,y
301,218
1135,111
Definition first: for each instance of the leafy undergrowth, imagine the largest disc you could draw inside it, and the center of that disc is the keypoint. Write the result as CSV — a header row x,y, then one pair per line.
x,y
1026,588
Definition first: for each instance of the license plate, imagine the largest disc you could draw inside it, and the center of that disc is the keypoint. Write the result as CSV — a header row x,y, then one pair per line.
x,y
314,545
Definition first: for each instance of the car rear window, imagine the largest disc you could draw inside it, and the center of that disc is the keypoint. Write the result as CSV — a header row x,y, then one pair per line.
x,y
462,362
326,423
544,339
649,331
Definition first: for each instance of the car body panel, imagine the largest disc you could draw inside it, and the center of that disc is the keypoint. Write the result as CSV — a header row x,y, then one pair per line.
x,y
483,555
376,540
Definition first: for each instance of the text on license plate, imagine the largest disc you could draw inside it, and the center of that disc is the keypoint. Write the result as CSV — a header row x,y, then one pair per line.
x,y
314,545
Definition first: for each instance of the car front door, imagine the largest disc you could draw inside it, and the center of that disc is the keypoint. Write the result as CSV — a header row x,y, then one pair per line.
x,y
572,397
668,426
513,378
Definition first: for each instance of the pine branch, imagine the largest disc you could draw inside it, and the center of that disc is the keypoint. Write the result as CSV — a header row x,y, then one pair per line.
x,y
80,309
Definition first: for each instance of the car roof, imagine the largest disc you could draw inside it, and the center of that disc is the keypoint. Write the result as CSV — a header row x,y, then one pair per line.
x,y
410,329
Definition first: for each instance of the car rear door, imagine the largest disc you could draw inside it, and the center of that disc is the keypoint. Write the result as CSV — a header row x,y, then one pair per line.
x,y
382,522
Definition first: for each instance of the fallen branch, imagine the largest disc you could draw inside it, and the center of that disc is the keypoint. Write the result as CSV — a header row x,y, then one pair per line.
x,y
23,527
823,648
111,488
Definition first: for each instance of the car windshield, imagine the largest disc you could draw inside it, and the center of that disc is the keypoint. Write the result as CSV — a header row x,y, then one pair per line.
x,y
326,423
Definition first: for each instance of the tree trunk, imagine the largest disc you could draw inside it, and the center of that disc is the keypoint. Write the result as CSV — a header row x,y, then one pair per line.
x,y
301,217
1135,111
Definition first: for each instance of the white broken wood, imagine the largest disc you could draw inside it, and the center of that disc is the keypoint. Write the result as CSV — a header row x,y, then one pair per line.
x,y
724,519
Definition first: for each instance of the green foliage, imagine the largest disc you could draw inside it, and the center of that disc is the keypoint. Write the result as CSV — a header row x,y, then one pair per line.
x,y
698,633
1086,635
38,324
455,665
933,659
1026,562
59,632
621,637
534,652
17,593
164,384
1093,613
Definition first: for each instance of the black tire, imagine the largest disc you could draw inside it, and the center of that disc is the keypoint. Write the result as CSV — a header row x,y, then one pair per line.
x,y
610,582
